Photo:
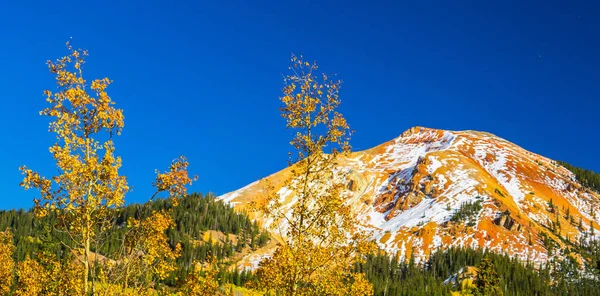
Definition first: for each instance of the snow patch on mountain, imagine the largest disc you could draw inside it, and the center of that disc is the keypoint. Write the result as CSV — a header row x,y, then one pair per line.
x,y
407,190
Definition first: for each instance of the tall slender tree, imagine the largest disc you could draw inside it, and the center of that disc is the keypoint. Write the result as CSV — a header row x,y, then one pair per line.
x,y
88,183
88,187
320,237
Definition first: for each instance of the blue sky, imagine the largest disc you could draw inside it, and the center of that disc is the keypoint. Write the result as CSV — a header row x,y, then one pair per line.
x,y
203,79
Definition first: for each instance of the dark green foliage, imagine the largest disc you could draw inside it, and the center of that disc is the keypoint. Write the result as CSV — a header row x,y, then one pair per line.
x,y
467,211
548,242
550,206
390,277
32,235
487,282
194,215
499,192
587,178
514,278
236,277
589,247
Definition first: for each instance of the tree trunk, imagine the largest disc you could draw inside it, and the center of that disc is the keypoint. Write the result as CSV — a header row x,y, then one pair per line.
x,y
126,282
86,263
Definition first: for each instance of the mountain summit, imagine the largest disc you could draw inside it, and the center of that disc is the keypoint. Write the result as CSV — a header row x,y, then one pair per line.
x,y
431,189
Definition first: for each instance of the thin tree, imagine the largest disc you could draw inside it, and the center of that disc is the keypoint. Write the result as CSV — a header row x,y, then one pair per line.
x,y
319,234
88,187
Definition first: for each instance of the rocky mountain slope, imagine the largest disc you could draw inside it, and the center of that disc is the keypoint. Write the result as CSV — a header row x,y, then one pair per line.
x,y
431,189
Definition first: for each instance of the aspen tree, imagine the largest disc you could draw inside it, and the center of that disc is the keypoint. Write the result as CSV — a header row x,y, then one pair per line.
x,y
88,186
319,233
88,183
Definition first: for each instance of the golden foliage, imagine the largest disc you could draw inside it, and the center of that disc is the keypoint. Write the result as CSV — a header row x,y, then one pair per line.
x,y
7,263
30,278
49,276
152,243
88,188
69,279
466,288
147,256
175,180
320,236
88,179
88,183
202,281
61,278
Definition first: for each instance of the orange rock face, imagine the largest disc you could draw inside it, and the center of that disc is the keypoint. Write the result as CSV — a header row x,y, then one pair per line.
x,y
408,189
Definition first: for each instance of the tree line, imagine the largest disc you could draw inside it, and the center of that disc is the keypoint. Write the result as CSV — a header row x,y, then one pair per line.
x,y
586,177
194,215
438,275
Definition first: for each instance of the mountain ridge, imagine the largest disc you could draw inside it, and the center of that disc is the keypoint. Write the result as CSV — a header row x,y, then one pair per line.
x,y
407,190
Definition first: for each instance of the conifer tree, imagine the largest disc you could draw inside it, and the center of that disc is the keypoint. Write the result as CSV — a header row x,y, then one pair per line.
x,y
487,281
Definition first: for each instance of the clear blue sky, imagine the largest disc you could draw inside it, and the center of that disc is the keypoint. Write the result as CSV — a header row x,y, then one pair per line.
x,y
202,79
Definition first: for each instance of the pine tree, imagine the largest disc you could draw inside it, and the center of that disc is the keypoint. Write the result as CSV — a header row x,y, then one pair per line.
x,y
487,282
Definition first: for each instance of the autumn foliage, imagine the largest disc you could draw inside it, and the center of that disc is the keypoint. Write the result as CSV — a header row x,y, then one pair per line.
x,y
202,281
6,262
83,197
320,237
88,183
320,240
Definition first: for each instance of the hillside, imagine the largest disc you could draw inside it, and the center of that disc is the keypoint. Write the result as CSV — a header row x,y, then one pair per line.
x,y
432,189
205,228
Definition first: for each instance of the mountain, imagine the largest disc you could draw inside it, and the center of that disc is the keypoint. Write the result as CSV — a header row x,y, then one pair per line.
x,y
432,189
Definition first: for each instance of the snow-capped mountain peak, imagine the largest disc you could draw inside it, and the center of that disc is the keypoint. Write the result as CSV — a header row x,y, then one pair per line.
x,y
430,189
